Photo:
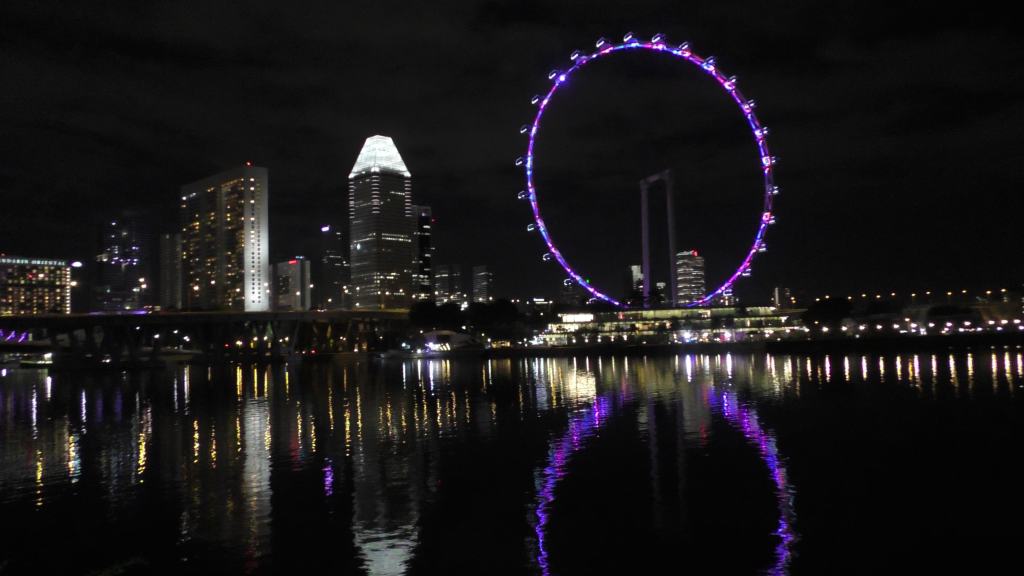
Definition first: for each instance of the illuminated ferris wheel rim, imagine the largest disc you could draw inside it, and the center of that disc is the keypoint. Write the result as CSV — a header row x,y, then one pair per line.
x,y
708,65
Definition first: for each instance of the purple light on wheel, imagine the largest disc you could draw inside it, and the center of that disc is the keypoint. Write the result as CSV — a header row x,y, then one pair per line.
x,y
728,83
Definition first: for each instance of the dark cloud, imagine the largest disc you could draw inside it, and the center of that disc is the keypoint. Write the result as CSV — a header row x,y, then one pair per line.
x,y
899,132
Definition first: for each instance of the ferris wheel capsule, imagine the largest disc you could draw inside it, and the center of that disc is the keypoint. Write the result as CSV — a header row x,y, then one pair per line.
x,y
524,128
575,54
628,37
567,282
531,227
684,48
523,195
600,42
546,257
519,161
658,38
552,74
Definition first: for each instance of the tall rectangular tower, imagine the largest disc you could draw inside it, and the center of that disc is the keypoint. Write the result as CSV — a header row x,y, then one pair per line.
x,y
332,281
225,238
483,284
170,280
689,277
423,274
381,226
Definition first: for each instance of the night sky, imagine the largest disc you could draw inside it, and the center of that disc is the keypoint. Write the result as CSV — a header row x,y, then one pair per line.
x,y
900,135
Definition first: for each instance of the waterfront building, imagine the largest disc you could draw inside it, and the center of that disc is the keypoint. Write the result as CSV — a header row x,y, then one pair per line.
x,y
30,286
382,226
225,238
423,274
483,284
673,325
690,283
292,285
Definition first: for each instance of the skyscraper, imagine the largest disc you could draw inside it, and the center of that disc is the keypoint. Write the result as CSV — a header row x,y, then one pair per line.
x,y
170,280
689,277
483,284
382,226
448,284
332,278
781,297
34,286
122,266
225,240
291,285
423,274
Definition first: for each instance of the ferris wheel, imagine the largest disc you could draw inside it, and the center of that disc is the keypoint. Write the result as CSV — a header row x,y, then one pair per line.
x,y
657,44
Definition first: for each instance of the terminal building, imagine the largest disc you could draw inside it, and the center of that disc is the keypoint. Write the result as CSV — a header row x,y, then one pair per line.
x,y
672,325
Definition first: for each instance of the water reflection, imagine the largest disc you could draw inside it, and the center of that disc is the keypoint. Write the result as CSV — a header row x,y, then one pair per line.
x,y
409,467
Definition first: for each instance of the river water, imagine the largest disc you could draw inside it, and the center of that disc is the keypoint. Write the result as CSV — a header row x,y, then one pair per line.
x,y
725,464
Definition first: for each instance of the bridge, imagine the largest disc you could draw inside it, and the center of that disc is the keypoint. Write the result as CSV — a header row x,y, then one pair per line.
x,y
141,338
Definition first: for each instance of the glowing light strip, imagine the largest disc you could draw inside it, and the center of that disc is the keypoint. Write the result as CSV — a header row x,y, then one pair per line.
x,y
708,65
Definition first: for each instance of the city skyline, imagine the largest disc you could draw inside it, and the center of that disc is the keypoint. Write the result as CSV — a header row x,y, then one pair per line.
x,y
878,200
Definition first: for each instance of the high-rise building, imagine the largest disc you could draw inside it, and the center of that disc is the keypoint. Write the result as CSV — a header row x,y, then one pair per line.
x,y
690,283
636,277
382,226
34,286
122,266
291,284
225,237
483,284
170,280
331,284
448,284
423,273
781,297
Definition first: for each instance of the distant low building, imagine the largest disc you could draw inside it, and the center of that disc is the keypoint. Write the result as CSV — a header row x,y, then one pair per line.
x,y
671,325
292,285
30,286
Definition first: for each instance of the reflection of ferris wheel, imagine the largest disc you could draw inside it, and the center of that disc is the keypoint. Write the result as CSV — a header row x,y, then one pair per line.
x,y
656,44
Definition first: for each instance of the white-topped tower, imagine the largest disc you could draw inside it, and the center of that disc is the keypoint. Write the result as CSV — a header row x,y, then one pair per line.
x,y
382,227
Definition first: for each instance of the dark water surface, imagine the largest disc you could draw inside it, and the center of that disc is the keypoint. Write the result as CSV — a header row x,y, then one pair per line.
x,y
720,464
